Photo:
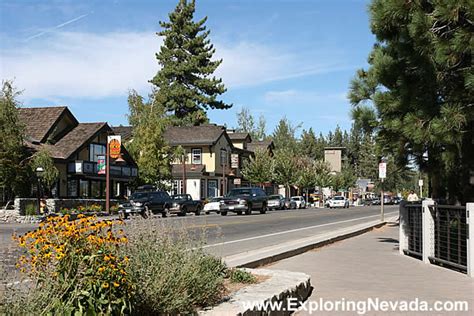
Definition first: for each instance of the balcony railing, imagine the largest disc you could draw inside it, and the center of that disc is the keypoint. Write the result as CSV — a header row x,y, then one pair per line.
x,y
415,236
90,168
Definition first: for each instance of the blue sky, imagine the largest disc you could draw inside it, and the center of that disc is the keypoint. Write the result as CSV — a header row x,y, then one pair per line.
x,y
280,58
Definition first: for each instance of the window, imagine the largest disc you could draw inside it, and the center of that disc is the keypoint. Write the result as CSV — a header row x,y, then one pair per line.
x,y
83,188
211,188
95,188
197,156
96,150
224,157
72,187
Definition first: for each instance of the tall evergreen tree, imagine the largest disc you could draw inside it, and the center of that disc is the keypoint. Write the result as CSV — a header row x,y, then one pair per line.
x,y
185,85
308,144
420,81
284,135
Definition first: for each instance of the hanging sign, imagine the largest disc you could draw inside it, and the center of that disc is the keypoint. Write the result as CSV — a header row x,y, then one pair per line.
x,y
115,142
101,165
234,161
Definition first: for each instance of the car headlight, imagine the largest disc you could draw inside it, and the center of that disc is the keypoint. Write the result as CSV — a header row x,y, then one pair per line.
x,y
138,204
221,203
175,204
242,202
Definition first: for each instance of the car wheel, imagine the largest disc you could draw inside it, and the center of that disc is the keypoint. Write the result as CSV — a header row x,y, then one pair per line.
x,y
198,211
207,212
248,211
224,213
183,212
165,212
264,209
239,212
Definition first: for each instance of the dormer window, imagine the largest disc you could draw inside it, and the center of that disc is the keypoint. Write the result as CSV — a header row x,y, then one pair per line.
x,y
196,156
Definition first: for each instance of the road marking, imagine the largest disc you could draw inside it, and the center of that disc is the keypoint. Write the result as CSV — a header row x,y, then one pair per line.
x,y
292,231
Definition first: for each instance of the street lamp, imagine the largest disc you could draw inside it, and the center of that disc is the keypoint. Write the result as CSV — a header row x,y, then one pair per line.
x,y
39,174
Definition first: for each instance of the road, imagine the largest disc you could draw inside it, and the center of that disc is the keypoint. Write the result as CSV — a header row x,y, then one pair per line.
x,y
233,234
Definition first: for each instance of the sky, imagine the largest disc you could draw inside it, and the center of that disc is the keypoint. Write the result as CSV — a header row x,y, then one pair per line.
x,y
281,58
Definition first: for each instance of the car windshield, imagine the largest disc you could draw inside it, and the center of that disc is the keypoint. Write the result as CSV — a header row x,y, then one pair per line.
x,y
295,198
138,195
338,198
237,192
274,197
216,199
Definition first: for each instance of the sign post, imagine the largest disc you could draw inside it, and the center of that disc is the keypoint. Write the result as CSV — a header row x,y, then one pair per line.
x,y
382,176
420,184
114,143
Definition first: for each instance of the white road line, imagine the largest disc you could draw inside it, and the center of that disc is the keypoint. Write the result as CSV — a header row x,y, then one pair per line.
x,y
292,230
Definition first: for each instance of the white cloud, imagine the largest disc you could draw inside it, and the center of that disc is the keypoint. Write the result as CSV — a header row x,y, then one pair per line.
x,y
296,97
87,65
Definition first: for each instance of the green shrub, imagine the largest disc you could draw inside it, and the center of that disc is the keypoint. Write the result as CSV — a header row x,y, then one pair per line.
x,y
172,272
31,209
241,276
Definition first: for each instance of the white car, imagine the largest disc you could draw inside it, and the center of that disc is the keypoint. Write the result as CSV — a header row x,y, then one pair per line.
x,y
214,205
339,201
299,200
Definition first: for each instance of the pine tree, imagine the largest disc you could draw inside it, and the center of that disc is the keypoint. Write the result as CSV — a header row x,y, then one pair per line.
x,y
284,135
185,85
308,144
421,84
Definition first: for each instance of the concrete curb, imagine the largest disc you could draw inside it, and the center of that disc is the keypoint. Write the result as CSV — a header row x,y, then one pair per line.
x,y
282,286
267,255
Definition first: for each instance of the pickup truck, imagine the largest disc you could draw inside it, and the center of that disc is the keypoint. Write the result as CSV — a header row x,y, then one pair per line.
x,y
244,200
184,203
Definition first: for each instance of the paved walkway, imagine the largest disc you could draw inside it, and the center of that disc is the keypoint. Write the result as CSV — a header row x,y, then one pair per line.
x,y
370,266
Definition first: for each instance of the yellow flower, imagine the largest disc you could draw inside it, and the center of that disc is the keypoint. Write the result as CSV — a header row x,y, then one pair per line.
x,y
101,269
116,284
105,285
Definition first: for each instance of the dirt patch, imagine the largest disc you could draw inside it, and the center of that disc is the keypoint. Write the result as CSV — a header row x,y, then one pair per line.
x,y
231,288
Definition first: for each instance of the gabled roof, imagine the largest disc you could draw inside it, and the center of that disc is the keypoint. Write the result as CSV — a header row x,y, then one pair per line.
x,y
194,135
262,144
77,137
239,136
125,131
40,121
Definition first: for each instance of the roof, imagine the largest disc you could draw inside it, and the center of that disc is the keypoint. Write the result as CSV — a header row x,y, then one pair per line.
x,y
125,131
262,144
40,121
72,141
239,136
193,135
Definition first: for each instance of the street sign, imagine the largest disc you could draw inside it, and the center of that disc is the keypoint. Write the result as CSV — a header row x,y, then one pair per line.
x,y
115,142
420,182
237,181
101,165
382,170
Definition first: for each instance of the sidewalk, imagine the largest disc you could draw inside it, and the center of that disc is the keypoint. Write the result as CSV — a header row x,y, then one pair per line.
x,y
370,266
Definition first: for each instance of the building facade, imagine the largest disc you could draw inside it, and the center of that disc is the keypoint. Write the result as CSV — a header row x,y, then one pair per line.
x,y
76,148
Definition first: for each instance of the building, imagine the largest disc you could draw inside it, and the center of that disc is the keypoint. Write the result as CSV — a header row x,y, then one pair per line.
x,y
333,156
75,148
212,163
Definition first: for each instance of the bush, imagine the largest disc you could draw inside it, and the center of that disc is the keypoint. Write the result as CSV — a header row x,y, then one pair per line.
x,y
31,209
174,273
241,276
75,267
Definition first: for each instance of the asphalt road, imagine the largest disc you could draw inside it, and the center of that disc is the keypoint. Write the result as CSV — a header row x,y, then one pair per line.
x,y
233,234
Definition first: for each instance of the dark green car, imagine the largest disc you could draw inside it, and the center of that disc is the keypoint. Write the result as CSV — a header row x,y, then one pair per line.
x,y
244,200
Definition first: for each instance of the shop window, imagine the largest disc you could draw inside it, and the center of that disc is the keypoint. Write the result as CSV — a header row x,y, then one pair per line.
x,y
72,188
212,188
96,150
83,188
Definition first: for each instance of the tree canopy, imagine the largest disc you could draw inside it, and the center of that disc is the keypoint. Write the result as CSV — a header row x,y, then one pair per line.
x,y
184,85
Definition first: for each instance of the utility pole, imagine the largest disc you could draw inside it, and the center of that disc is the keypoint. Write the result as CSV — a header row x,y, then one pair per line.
x,y
382,211
107,177
224,163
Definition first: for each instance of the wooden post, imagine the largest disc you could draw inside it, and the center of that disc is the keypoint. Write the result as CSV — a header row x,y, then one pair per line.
x,y
107,178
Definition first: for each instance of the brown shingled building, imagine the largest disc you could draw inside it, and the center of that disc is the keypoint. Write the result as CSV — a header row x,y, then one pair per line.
x,y
75,148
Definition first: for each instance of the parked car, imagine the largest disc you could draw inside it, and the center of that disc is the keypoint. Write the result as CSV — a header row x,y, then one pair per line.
x,y
300,201
184,203
246,200
213,205
338,202
290,204
146,203
397,200
276,202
